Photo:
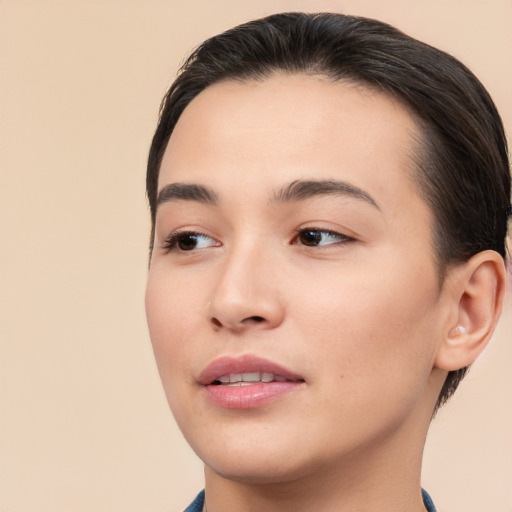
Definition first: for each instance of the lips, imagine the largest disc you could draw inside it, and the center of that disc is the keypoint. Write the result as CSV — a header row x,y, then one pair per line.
x,y
246,382
244,365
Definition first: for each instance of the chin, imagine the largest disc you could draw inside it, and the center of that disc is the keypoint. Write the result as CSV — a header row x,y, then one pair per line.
x,y
257,472
253,462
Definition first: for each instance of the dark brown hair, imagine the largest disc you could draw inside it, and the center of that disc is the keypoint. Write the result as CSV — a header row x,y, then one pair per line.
x,y
463,166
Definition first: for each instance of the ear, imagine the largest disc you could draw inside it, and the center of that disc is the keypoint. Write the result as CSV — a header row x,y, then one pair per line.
x,y
476,291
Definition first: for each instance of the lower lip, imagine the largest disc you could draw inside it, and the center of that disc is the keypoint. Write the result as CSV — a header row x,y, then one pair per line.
x,y
248,397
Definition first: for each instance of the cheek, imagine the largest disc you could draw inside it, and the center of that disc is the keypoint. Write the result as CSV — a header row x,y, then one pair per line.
x,y
370,334
171,315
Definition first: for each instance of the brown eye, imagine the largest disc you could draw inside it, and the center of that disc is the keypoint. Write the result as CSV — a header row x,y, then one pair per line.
x,y
188,241
310,237
320,237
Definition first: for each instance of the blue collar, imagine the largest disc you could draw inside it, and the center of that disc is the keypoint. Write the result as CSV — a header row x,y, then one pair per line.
x,y
427,501
197,504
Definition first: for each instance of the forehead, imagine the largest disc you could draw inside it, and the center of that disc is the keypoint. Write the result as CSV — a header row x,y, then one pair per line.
x,y
245,136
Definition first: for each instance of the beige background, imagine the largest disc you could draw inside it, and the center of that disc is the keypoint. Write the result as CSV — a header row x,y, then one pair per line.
x,y
84,425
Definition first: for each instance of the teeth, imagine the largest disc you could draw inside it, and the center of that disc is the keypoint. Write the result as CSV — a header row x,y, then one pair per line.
x,y
251,377
245,379
267,377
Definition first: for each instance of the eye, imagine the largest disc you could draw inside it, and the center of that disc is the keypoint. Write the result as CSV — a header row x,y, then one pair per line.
x,y
313,237
188,241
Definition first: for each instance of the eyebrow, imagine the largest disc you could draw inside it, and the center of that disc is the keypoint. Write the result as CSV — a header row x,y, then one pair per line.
x,y
186,192
300,190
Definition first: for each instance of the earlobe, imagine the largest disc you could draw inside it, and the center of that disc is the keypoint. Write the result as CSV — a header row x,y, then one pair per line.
x,y
477,290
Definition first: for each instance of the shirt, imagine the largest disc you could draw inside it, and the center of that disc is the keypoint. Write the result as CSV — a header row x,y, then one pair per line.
x,y
197,504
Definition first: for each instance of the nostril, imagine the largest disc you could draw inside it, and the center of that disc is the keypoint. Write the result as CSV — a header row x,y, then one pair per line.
x,y
216,322
255,319
245,322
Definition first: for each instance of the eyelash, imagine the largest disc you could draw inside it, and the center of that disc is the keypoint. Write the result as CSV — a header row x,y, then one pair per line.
x,y
342,239
171,243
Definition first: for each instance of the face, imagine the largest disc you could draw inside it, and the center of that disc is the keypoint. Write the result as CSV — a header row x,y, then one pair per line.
x,y
292,300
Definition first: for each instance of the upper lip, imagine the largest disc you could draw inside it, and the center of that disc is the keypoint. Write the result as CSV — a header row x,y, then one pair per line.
x,y
244,364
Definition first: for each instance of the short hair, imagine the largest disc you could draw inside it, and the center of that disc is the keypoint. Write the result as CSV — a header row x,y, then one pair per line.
x,y
463,164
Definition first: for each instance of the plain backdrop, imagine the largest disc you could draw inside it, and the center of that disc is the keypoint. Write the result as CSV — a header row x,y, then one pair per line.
x,y
84,425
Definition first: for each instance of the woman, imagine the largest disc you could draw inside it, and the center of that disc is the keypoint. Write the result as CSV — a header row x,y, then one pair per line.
x,y
329,202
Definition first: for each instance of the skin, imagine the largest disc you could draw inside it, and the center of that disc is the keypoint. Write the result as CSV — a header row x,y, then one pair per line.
x,y
361,318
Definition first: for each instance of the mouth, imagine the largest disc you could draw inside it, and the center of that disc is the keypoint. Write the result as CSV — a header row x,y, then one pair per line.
x,y
247,382
247,379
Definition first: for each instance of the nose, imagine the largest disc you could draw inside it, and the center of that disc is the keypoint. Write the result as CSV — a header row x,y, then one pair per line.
x,y
247,295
